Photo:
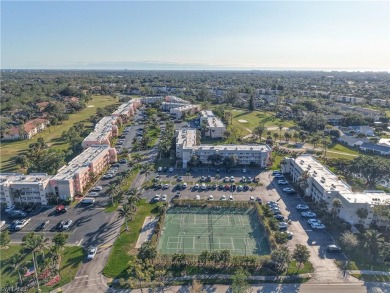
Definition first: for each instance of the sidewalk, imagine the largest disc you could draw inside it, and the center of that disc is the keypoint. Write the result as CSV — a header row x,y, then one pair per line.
x,y
368,272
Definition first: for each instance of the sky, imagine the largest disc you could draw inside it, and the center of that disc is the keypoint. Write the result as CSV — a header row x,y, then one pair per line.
x,y
225,35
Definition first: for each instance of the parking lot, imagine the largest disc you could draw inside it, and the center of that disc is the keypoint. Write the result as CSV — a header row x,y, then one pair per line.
x,y
267,190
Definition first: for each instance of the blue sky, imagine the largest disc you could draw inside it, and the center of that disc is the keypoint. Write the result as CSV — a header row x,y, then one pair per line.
x,y
347,35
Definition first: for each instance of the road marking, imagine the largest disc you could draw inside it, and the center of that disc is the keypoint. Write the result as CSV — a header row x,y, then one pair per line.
x,y
79,243
85,276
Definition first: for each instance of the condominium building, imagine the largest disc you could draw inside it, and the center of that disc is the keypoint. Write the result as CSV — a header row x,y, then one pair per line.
x,y
187,146
104,130
185,109
167,106
27,130
325,186
20,188
127,109
160,99
214,126
73,178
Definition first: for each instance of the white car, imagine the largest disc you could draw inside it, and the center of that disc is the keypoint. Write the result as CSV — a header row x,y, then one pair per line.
x,y
302,207
166,186
308,214
204,186
91,253
313,221
240,188
289,234
223,197
197,197
243,170
282,182
9,209
231,197
108,176
196,186
67,225
283,225
289,190
97,188
171,169
157,197
211,197
231,178
2,223
164,197
93,194
226,179
21,224
317,226
184,185
252,198
159,169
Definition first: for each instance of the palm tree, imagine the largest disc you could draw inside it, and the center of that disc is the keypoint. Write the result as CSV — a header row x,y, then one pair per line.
x,y
134,196
287,136
259,130
35,244
17,194
325,143
127,212
280,126
147,170
275,135
14,262
296,136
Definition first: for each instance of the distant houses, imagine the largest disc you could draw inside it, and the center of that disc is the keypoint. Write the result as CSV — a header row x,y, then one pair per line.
x,y
27,130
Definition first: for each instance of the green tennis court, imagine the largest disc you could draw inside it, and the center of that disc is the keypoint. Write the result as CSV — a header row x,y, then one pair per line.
x,y
191,230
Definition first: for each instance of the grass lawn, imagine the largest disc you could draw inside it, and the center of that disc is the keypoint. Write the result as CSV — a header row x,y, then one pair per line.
x,y
9,150
123,249
343,149
277,159
293,269
253,118
71,259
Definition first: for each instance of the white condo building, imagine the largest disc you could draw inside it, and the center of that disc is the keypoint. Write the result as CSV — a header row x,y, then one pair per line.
x,y
186,147
215,127
324,185
188,109
104,130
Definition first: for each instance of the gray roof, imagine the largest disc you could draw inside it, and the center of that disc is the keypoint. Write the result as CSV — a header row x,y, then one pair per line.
x,y
376,147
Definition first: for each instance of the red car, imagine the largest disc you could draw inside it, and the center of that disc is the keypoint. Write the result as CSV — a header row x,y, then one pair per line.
x,y
61,209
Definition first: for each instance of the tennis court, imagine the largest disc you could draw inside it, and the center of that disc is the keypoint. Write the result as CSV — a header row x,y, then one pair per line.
x,y
191,230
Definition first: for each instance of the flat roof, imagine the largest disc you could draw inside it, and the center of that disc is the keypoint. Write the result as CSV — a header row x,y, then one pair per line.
x,y
187,138
233,147
374,198
102,129
81,162
214,122
23,179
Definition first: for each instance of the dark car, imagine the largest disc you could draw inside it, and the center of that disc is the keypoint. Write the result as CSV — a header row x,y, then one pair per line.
x,y
13,225
234,187
220,187
165,169
333,248
29,208
246,187
42,226
214,186
61,209
279,217
123,161
60,225
208,178
258,199
16,214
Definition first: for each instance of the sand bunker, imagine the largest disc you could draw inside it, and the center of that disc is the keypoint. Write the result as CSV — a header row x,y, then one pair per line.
x,y
90,106
242,121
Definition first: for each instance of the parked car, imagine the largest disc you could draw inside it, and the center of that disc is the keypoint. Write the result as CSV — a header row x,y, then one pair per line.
x,y
211,197
184,185
283,225
166,186
317,226
97,188
246,187
2,223
21,224
251,198
282,182
157,197
240,188
87,200
180,178
289,234
164,197
67,225
17,214
171,169
313,221
276,172
333,248
13,225
93,194
165,169
203,186
223,197
308,214
279,217
289,190
197,196
9,208
196,187
231,178
279,176
302,207
244,170
258,199
231,197
59,225
226,179
123,161
29,208
43,225
91,253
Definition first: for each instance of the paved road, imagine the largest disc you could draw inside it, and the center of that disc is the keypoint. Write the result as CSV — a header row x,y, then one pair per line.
x,y
282,288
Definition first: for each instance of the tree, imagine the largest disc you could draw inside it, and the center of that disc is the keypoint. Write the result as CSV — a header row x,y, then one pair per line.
x,y
251,103
336,206
215,159
301,254
349,240
281,258
302,182
5,239
196,287
194,161
296,136
134,197
230,162
259,130
280,126
287,136
275,135
147,251
203,257
14,261
372,242
127,212
60,240
371,169
362,213
239,281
